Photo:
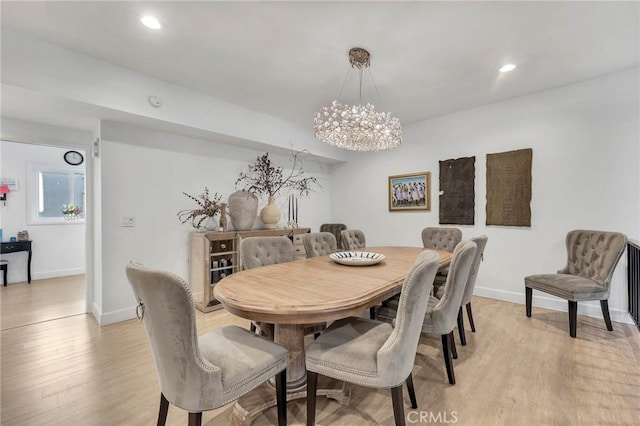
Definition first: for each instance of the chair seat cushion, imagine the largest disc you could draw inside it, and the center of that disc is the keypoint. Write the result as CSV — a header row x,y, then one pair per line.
x,y
570,287
348,349
244,358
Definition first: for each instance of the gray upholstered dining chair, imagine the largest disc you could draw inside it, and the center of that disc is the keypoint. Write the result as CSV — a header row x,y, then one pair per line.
x,y
262,251
441,238
352,239
373,353
441,316
319,243
481,243
200,373
592,257
335,229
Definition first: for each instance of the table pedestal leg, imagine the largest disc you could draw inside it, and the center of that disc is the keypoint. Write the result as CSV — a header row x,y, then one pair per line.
x,y
290,336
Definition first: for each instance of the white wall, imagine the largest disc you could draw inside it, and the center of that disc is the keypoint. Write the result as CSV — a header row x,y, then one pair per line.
x,y
58,250
585,140
143,174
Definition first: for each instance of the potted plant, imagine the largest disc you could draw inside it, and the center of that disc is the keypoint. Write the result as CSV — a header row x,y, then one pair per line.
x,y
208,207
71,211
266,178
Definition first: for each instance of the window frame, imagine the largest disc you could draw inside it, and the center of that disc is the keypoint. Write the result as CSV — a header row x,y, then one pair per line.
x,y
33,192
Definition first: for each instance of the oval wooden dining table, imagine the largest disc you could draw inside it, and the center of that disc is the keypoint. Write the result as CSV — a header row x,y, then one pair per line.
x,y
308,291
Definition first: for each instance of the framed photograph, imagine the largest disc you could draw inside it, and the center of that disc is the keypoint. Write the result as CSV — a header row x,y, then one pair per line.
x,y
410,192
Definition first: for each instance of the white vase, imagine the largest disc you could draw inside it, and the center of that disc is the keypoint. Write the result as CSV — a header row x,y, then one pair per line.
x,y
211,224
270,214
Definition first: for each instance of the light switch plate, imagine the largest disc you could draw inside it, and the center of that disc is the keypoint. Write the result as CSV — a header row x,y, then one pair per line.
x,y
128,221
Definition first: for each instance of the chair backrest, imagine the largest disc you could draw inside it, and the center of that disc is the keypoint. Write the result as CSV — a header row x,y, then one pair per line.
x,y
445,314
166,307
261,251
397,355
594,254
352,239
319,243
481,243
441,238
335,229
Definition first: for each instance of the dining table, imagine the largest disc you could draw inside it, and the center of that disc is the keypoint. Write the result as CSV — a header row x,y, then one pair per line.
x,y
294,295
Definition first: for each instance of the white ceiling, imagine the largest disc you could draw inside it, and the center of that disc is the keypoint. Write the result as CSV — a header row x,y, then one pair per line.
x,y
289,58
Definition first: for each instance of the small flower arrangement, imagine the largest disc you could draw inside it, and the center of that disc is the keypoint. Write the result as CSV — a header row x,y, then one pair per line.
x,y
71,209
208,206
264,177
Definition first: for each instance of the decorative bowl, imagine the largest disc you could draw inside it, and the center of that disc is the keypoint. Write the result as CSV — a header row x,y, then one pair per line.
x,y
356,258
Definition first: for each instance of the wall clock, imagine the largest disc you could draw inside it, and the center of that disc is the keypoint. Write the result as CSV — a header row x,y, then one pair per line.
x,y
73,157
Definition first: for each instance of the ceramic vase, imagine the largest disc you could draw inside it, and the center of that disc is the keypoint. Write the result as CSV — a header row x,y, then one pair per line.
x,y
211,224
243,210
270,214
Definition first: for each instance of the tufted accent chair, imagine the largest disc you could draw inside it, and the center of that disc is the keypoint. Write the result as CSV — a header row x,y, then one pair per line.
x,y
261,251
352,239
373,353
592,257
319,244
335,229
200,373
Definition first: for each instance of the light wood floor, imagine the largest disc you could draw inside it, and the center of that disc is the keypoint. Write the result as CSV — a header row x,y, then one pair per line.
x,y
42,300
514,371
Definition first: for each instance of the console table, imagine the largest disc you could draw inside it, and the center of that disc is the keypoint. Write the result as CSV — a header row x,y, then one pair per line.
x,y
16,247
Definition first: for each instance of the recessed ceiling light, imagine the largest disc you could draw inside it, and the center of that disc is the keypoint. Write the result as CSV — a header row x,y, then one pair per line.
x,y
507,68
151,22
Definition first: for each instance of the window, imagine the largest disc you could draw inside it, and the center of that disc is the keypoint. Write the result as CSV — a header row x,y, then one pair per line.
x,y
50,187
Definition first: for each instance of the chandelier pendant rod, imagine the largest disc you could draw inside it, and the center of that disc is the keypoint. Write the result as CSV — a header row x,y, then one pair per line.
x,y
360,94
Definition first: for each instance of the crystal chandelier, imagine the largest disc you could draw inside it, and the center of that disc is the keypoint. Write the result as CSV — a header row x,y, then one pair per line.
x,y
357,127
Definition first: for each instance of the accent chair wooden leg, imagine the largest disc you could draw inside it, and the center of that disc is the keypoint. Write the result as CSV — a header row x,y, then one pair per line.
x,y
312,385
412,392
448,362
164,409
470,315
452,343
195,419
528,297
252,328
463,338
372,312
573,318
604,304
398,405
281,397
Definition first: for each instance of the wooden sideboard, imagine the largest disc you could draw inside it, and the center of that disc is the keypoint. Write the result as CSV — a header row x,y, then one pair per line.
x,y
214,255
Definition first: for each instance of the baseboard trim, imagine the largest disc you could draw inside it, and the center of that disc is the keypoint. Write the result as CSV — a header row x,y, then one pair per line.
x,y
590,309
56,274
117,316
113,316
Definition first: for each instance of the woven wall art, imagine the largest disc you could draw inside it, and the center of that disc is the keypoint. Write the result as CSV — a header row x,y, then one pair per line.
x,y
509,188
457,194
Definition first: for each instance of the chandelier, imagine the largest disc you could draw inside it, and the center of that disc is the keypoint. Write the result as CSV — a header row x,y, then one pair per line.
x,y
357,127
